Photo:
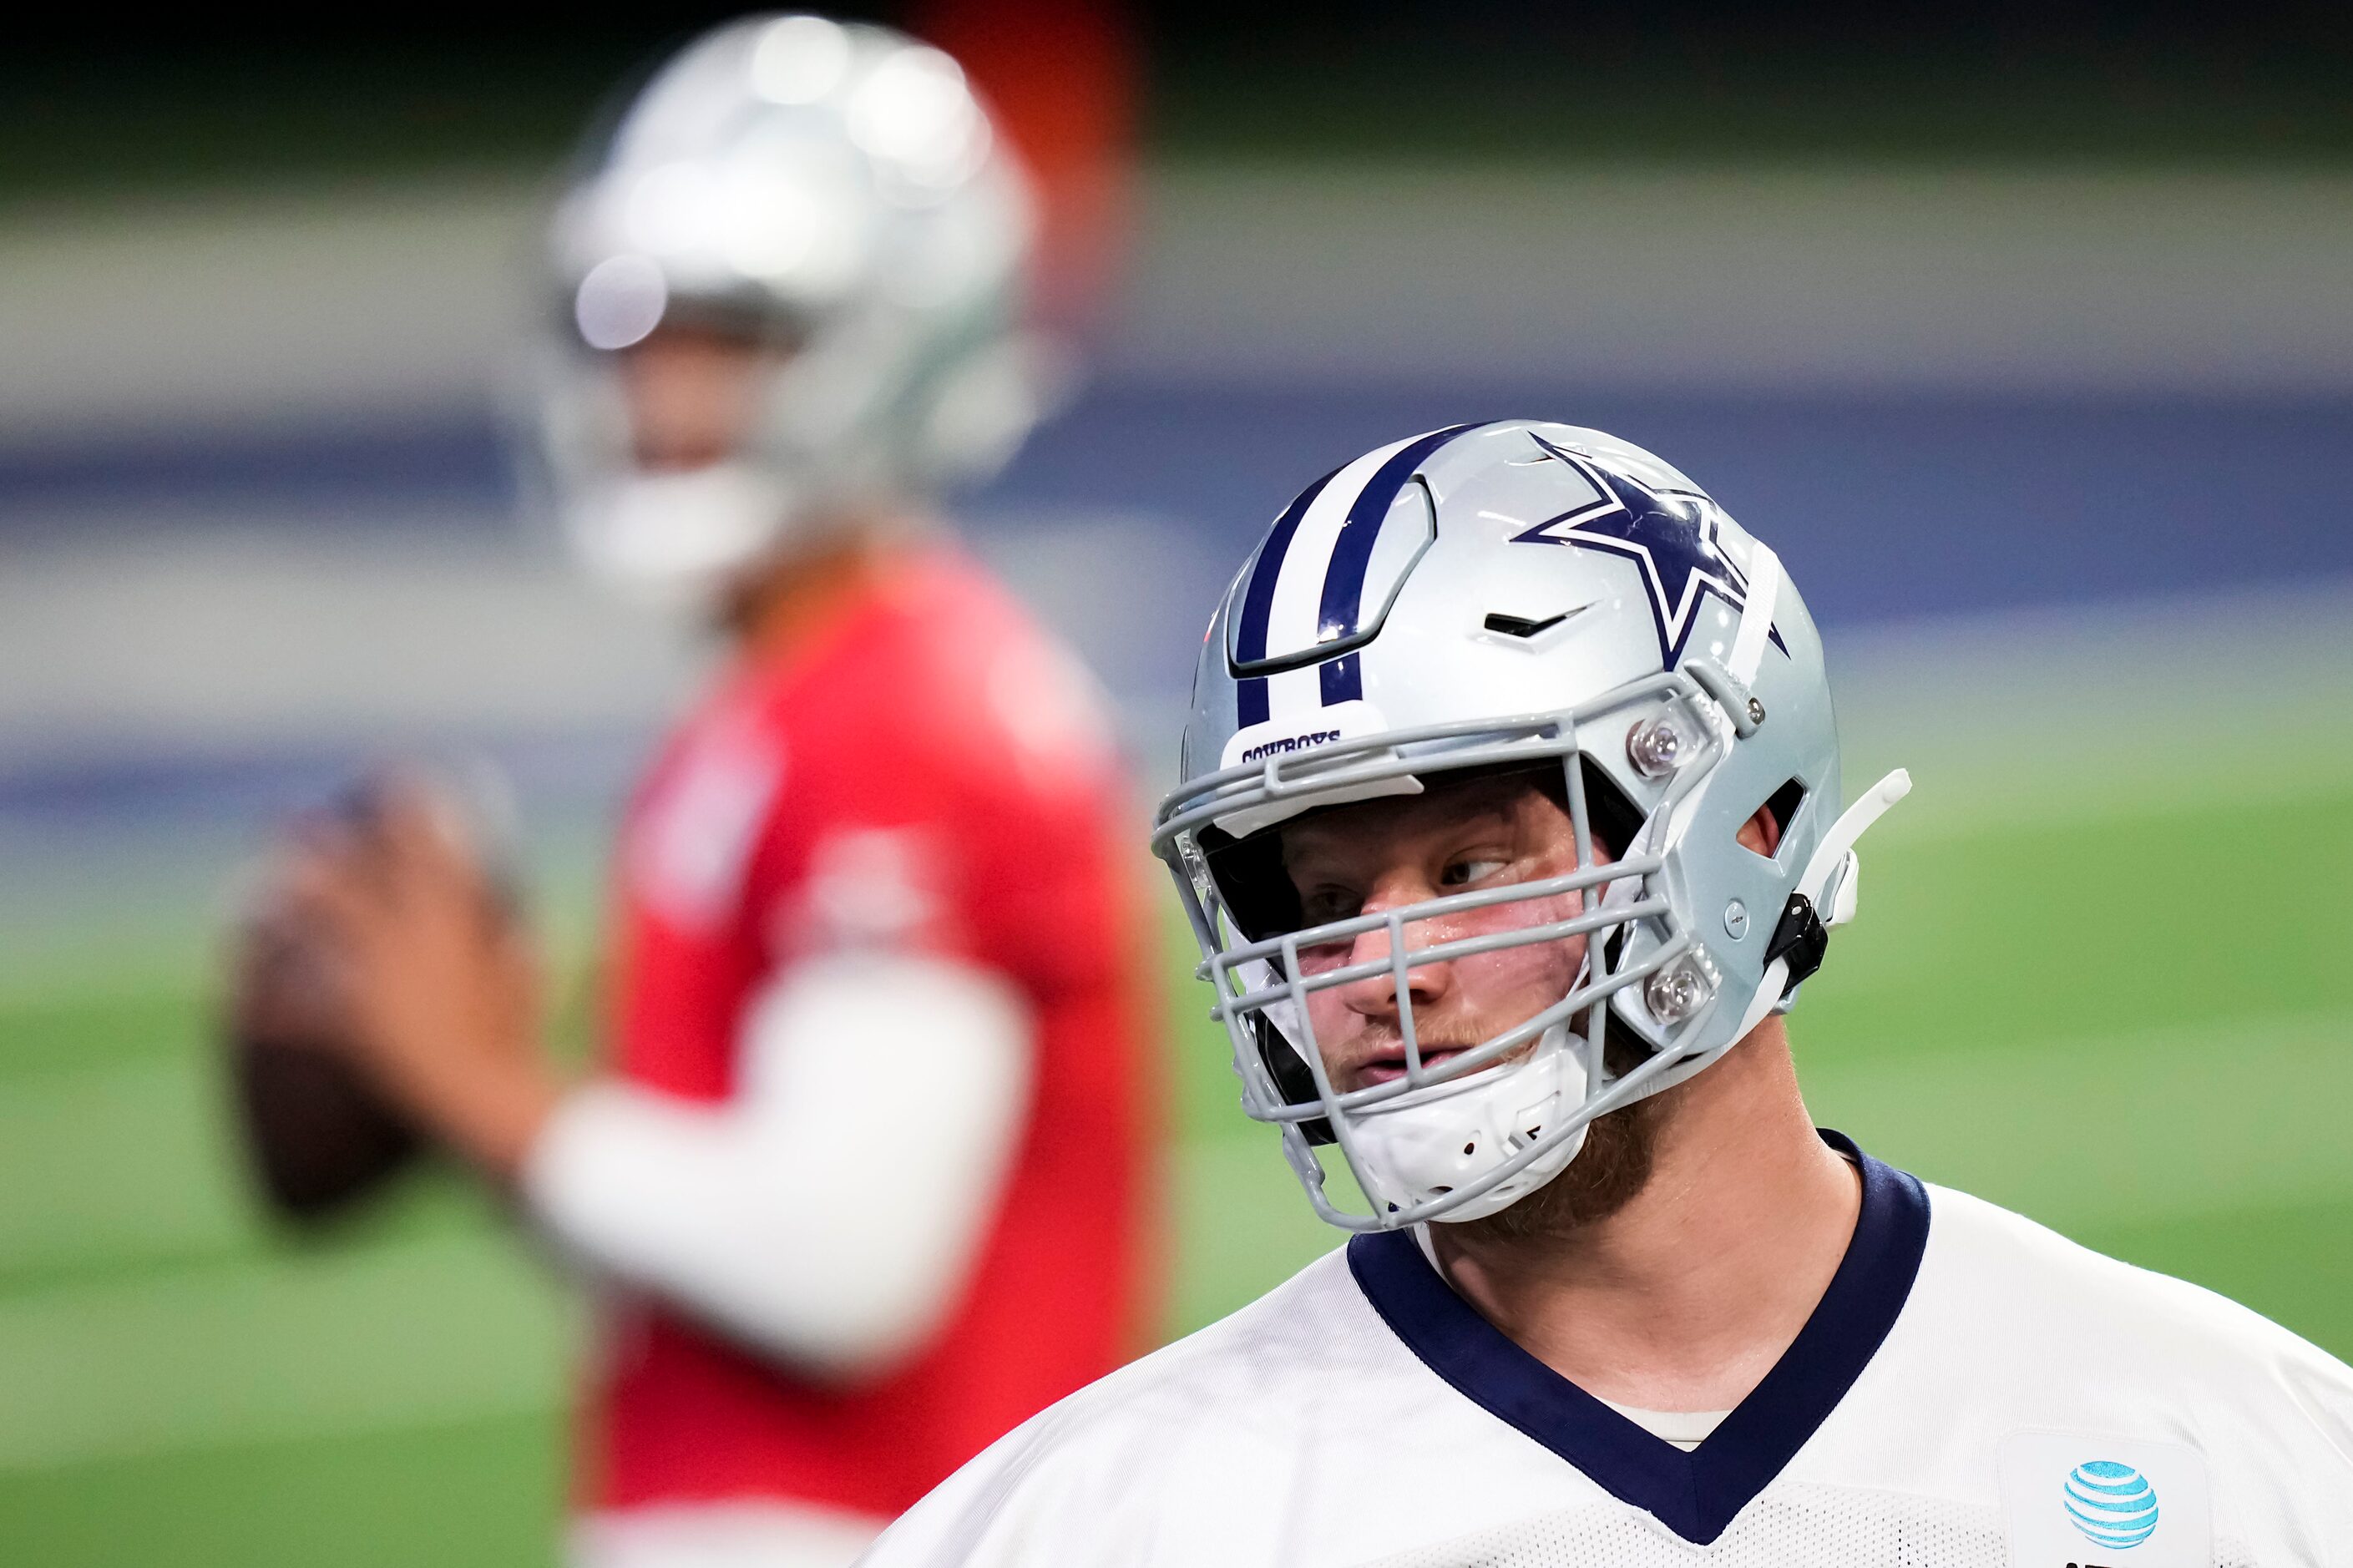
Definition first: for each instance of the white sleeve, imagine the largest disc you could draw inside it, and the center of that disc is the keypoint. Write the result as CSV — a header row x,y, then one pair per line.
x,y
832,1211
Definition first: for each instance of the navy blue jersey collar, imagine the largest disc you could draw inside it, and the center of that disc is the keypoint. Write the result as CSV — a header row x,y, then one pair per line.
x,y
1694,1494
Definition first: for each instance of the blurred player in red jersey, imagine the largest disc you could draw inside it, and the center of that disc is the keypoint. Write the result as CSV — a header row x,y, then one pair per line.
x,y
867,1167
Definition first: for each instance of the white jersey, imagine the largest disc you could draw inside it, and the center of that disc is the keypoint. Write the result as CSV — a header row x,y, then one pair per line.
x,y
1972,1391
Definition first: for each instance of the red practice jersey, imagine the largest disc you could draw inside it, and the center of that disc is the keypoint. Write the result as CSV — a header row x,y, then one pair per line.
x,y
927,769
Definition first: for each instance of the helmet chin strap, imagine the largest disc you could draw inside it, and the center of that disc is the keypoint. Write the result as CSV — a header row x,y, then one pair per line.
x,y
1834,872
1420,1149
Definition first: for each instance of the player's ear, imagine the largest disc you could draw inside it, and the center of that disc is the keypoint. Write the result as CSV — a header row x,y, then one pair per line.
x,y
1761,833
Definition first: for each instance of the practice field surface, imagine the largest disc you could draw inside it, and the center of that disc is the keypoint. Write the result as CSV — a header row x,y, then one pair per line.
x,y
2133,1021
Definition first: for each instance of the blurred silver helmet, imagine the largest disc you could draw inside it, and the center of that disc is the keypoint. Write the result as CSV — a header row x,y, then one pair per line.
x,y
834,190
1512,595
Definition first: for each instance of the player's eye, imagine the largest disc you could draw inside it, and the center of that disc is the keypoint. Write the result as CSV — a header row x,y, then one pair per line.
x,y
1320,906
1469,870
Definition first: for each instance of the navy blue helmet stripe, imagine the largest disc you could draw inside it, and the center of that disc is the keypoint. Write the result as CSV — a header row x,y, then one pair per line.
x,y
1352,552
1343,679
1258,603
1341,599
1251,705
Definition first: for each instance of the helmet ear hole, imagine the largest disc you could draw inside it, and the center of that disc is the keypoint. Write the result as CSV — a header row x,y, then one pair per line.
x,y
1292,1079
1783,806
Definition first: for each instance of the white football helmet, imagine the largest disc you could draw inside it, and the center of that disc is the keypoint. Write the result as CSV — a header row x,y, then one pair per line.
x,y
1529,596
834,189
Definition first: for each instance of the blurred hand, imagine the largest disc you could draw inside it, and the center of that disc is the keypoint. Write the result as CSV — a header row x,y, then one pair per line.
x,y
399,943
283,988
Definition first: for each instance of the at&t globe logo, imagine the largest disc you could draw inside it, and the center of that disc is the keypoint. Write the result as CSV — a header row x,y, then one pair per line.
x,y
2112,1504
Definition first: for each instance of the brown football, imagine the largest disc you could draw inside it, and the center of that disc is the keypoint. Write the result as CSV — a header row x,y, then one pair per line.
x,y
317,1135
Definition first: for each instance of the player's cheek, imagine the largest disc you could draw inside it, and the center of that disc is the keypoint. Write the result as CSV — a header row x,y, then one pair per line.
x,y
1511,984
1335,1025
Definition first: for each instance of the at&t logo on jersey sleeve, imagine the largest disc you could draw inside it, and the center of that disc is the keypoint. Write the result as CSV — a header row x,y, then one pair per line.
x,y
2076,1500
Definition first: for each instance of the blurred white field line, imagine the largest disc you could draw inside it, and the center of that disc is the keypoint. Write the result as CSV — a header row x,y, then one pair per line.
x,y
349,1341
204,642
398,298
2054,715
219,643
2144,1126
213,645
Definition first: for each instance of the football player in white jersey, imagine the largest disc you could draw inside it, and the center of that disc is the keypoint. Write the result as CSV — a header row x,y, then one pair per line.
x,y
1509,828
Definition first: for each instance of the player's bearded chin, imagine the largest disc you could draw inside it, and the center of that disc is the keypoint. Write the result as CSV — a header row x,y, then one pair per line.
x,y
1607,1174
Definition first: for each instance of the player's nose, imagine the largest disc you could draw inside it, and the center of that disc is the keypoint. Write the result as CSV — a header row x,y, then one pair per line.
x,y
1375,996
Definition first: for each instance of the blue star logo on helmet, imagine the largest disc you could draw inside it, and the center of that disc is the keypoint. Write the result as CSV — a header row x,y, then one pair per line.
x,y
1671,534
2112,1504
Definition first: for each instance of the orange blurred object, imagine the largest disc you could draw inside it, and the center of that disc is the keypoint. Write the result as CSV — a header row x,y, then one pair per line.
x,y
1060,79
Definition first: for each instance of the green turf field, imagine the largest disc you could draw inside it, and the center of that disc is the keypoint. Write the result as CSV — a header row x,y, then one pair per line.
x,y
2134,1021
